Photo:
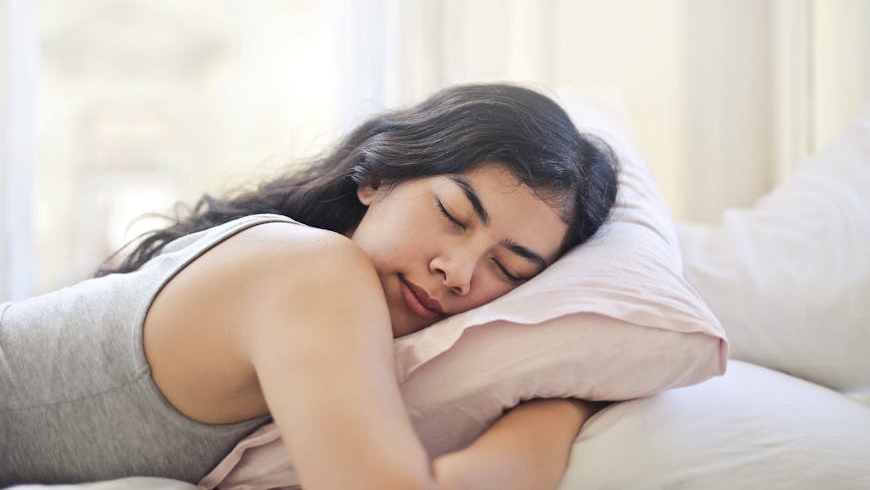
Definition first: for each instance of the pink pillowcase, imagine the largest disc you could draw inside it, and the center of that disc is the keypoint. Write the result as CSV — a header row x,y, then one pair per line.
x,y
613,319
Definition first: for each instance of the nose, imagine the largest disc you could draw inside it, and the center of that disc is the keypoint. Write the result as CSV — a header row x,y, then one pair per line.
x,y
456,271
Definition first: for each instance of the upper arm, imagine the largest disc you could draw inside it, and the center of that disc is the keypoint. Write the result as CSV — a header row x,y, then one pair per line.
x,y
320,342
291,320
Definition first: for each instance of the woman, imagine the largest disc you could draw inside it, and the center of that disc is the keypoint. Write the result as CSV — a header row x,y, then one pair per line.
x,y
237,312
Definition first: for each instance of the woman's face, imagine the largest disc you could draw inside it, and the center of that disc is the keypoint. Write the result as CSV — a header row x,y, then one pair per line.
x,y
448,243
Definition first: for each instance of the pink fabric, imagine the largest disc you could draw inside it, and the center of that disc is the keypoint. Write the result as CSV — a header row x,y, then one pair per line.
x,y
612,320
258,462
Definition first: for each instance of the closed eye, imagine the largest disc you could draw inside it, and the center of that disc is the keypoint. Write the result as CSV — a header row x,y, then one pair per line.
x,y
447,215
507,274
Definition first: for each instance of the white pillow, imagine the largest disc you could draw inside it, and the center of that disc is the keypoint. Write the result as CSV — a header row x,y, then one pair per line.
x,y
132,483
613,319
752,428
790,277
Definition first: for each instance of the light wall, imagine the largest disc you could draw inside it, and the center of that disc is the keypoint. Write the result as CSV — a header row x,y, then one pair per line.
x,y
841,63
682,67
726,96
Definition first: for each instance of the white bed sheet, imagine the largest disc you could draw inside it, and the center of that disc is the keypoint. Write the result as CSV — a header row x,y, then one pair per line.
x,y
751,428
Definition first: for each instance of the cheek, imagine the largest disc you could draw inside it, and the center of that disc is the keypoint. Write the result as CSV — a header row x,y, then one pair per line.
x,y
486,289
386,246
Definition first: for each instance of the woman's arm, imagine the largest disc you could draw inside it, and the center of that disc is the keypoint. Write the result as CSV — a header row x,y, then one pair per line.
x,y
330,384
321,345
292,321
526,448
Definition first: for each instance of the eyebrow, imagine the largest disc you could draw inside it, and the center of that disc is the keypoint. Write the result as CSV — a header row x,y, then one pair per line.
x,y
511,245
525,252
471,194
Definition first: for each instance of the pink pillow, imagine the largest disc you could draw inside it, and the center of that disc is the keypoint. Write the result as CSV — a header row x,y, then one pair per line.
x,y
613,319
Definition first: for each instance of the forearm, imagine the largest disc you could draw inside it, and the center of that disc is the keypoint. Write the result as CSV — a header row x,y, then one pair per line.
x,y
527,448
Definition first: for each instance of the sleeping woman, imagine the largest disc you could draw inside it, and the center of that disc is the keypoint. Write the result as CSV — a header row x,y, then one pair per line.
x,y
283,302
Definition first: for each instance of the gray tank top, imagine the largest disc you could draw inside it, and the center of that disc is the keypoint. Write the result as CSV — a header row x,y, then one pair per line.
x,y
77,401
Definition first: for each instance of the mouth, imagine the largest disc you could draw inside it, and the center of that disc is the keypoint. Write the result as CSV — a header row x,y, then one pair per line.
x,y
419,301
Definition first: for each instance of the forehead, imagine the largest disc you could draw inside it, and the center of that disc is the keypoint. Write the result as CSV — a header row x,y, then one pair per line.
x,y
515,211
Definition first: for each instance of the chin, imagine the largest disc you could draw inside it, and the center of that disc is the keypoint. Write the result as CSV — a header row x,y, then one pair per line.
x,y
401,331
402,328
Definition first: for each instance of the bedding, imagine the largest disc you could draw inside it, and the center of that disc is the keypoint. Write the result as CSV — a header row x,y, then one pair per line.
x,y
753,427
628,275
790,279
790,275
133,483
613,319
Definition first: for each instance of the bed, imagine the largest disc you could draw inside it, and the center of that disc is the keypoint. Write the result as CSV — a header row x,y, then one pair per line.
x,y
789,280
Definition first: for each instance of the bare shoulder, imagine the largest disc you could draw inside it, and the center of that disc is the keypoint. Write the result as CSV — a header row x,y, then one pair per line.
x,y
263,267
280,235
282,246
199,325
264,259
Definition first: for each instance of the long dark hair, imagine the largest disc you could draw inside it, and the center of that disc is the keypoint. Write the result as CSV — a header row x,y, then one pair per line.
x,y
450,132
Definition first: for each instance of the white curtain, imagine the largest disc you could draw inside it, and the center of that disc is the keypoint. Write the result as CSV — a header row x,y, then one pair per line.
x,y
18,56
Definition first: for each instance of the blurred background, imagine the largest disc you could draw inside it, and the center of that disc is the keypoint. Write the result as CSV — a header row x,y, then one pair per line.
x,y
110,109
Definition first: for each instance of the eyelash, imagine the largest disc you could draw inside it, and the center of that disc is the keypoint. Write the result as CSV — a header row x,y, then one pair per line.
x,y
449,217
508,275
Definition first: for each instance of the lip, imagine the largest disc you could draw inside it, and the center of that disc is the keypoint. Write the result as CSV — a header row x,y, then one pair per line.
x,y
419,301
